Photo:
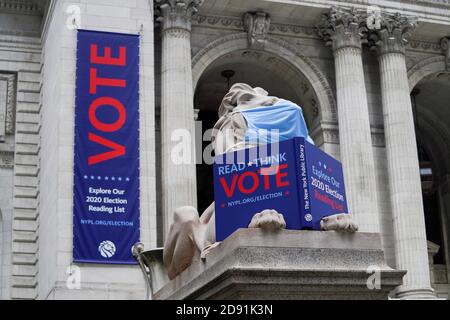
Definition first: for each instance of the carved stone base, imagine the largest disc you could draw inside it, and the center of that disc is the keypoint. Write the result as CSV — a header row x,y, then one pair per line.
x,y
253,264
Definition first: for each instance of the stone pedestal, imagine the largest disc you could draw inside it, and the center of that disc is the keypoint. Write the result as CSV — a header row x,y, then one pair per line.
x,y
253,264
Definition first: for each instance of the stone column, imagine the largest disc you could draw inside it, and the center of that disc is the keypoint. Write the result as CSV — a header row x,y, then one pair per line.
x,y
343,30
177,110
444,196
403,165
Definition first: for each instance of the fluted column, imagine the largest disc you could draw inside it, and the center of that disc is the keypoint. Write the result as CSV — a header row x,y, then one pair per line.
x,y
177,111
403,165
343,30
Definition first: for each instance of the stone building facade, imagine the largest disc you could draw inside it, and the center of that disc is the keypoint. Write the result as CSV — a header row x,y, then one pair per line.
x,y
372,77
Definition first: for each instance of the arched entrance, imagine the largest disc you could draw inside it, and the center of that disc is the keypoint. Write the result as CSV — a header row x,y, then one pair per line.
x,y
430,84
276,69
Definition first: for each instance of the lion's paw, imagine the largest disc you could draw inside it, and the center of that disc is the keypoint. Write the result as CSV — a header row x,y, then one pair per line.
x,y
339,222
268,220
206,250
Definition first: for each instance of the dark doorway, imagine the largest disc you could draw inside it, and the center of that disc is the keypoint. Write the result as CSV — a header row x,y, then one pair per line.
x,y
205,190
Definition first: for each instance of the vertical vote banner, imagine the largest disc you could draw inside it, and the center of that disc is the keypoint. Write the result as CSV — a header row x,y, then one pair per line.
x,y
106,177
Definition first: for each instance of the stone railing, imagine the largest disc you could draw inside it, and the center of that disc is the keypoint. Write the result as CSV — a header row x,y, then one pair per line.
x,y
443,2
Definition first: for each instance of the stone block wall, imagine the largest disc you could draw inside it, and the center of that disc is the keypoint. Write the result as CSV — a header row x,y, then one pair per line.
x,y
58,99
19,167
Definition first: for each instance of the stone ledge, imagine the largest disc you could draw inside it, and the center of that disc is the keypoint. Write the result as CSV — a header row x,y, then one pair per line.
x,y
96,291
252,264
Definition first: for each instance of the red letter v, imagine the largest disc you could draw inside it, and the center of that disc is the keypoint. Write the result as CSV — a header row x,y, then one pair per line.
x,y
229,191
117,151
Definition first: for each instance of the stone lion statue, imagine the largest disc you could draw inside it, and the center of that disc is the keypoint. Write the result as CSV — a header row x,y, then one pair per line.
x,y
191,236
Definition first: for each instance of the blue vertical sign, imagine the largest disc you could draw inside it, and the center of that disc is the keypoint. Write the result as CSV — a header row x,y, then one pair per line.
x,y
293,177
106,179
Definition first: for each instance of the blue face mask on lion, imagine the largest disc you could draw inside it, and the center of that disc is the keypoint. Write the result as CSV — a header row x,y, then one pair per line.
x,y
250,117
282,121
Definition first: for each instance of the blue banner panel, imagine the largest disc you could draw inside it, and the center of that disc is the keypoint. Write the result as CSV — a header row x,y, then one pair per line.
x,y
106,180
293,177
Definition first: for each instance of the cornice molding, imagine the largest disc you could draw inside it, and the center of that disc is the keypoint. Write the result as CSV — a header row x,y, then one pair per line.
x,y
31,7
237,24
419,45
233,23
292,30
438,3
